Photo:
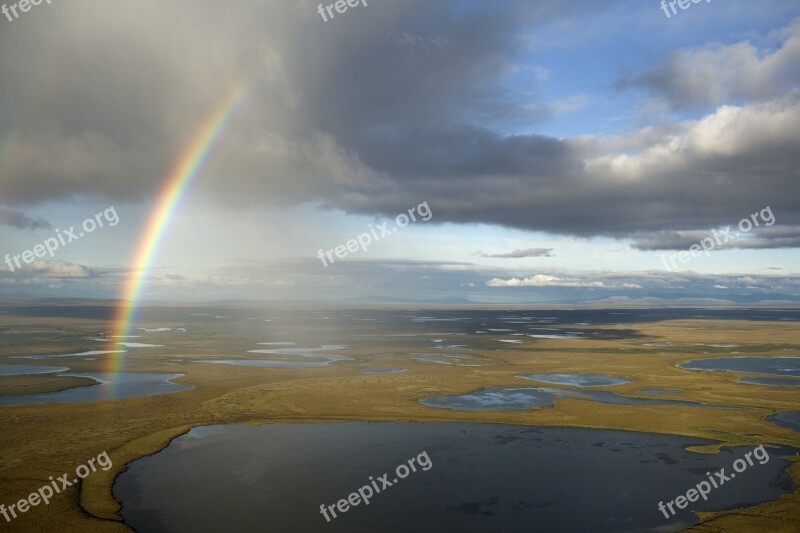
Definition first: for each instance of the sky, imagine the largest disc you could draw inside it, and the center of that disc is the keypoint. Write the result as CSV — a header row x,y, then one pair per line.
x,y
566,152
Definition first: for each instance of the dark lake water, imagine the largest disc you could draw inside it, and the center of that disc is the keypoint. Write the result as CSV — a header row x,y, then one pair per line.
x,y
524,398
576,380
789,420
109,387
776,366
773,382
483,478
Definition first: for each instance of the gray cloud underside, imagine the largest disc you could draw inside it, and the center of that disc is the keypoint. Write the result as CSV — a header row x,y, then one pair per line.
x,y
521,253
773,237
15,219
379,110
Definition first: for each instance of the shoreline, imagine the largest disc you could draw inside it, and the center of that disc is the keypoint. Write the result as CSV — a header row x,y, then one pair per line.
x,y
706,518
46,439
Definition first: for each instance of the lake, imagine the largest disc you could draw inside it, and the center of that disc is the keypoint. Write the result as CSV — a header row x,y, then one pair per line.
x,y
484,477
776,366
114,386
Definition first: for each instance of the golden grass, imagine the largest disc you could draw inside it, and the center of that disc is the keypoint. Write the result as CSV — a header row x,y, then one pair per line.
x,y
21,385
36,439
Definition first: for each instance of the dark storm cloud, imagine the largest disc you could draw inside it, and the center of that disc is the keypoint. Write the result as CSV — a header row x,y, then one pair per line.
x,y
775,237
412,116
377,110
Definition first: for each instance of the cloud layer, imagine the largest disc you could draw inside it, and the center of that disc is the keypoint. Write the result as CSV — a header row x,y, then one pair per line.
x,y
390,106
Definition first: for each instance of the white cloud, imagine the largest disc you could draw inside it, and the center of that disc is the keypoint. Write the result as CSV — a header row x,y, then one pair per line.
x,y
731,131
720,73
542,280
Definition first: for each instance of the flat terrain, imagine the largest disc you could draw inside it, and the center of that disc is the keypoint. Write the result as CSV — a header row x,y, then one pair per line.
x,y
39,441
21,385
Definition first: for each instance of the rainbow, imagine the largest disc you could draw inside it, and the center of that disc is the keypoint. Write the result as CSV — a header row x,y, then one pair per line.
x,y
187,167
